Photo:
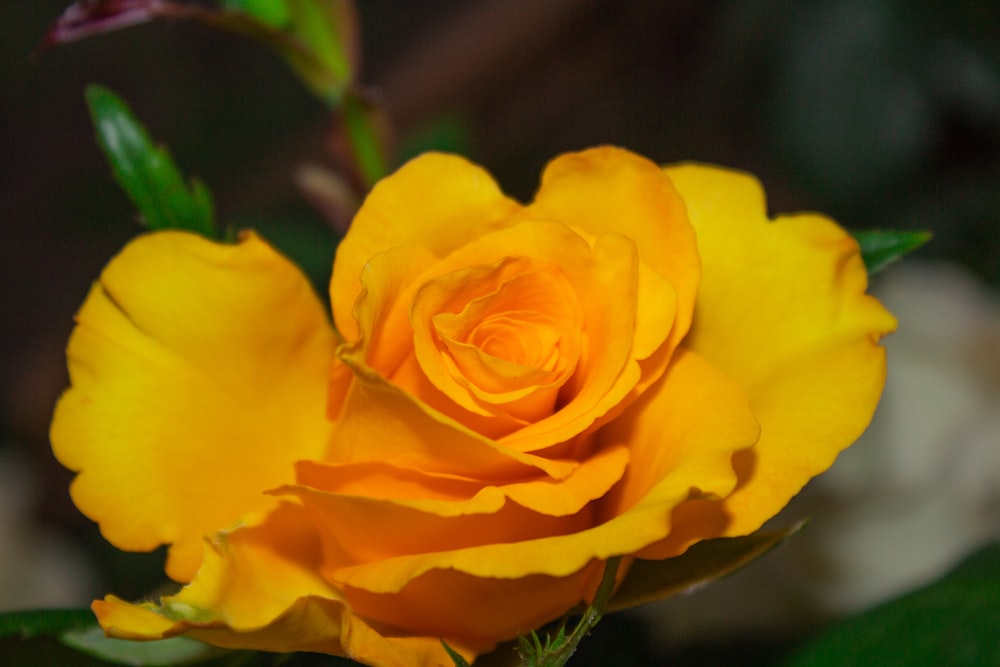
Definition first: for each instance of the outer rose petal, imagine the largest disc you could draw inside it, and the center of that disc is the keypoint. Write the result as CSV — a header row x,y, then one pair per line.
x,y
259,588
782,310
435,202
189,398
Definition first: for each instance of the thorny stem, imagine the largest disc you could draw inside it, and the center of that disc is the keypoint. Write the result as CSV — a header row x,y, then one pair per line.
x,y
557,653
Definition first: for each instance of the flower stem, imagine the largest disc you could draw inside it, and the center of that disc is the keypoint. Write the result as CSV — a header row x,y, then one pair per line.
x,y
363,137
558,650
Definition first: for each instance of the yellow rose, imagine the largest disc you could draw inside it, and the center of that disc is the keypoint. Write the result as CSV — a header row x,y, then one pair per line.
x,y
636,361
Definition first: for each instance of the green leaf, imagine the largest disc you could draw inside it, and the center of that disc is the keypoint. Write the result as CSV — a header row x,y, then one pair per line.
x,y
174,651
881,248
146,172
954,622
650,580
42,622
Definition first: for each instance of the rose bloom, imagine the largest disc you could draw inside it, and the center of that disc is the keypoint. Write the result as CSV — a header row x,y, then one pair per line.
x,y
508,396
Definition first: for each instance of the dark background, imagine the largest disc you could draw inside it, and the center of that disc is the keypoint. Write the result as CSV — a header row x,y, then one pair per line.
x,y
879,113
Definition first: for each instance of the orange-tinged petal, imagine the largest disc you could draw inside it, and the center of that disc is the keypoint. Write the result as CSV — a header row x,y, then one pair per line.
x,y
499,338
782,310
607,372
436,202
611,190
443,493
381,310
418,513
189,398
259,589
479,608
408,527
595,476
686,430
605,277
379,421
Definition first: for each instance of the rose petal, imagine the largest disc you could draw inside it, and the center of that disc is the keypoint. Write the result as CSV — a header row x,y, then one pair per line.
x,y
782,310
381,311
610,190
434,202
419,512
259,589
188,396
543,494
686,431
605,277
500,339
408,527
486,610
607,373
381,422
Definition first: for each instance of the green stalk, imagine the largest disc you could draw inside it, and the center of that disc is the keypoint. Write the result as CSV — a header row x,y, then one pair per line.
x,y
363,138
558,650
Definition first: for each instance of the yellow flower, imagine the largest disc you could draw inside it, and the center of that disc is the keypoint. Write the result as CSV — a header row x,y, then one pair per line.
x,y
636,361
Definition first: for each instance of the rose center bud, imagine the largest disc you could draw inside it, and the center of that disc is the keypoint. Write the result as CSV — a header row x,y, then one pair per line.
x,y
509,336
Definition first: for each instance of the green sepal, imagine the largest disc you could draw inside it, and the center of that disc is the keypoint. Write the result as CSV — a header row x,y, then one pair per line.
x,y
953,622
173,651
881,248
145,171
42,622
650,580
455,656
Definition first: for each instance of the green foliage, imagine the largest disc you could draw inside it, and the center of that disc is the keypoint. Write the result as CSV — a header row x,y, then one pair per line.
x,y
174,651
41,622
78,629
145,171
881,248
650,580
954,622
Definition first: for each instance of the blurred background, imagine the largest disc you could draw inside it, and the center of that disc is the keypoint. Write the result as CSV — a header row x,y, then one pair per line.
x,y
880,113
